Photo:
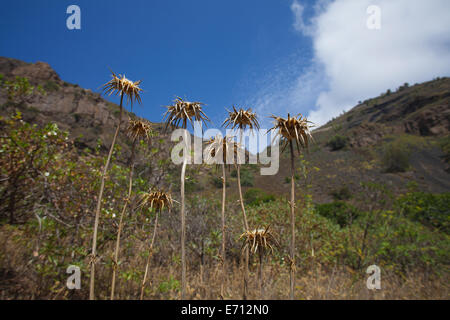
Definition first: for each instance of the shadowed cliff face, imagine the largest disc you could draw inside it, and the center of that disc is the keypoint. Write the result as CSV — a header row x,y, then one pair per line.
x,y
78,110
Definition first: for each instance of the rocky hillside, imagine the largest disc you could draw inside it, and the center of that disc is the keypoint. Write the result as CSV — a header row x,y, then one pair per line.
x,y
408,127
85,114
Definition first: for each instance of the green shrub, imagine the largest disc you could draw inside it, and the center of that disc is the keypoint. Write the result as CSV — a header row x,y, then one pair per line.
x,y
341,194
218,183
430,209
395,158
339,212
51,86
255,196
338,142
246,178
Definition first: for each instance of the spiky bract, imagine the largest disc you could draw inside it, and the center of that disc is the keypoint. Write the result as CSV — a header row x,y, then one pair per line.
x,y
261,238
121,85
241,119
293,129
139,129
183,112
157,200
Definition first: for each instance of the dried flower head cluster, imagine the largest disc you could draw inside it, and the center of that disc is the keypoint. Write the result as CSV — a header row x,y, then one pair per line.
x,y
184,112
293,129
139,129
225,146
241,119
121,85
157,200
261,239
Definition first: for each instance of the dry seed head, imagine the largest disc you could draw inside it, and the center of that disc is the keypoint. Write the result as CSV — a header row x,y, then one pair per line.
x,y
184,112
293,129
241,119
261,238
139,129
225,145
121,85
157,200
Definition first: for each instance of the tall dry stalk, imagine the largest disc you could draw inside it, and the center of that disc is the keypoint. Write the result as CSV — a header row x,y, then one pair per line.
x,y
136,130
225,149
183,112
293,129
242,119
156,200
258,241
123,86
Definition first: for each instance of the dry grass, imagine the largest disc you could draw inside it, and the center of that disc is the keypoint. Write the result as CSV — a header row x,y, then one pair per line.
x,y
19,281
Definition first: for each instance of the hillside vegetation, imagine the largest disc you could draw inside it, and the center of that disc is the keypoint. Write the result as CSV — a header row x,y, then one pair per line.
x,y
361,200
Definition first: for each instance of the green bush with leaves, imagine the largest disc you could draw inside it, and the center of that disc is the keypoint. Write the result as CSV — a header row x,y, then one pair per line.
x,y
337,142
395,157
255,196
432,210
339,212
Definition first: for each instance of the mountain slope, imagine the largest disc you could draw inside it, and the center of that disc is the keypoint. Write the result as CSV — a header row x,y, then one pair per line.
x,y
416,117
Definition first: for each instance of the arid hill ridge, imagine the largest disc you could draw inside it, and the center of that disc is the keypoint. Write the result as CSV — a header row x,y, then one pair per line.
x,y
420,114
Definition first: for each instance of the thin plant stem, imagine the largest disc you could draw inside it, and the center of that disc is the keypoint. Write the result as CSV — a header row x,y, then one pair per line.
x,y
183,221
224,188
260,273
244,216
292,203
99,205
150,253
119,232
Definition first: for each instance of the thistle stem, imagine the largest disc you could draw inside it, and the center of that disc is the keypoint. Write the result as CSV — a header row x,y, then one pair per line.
x,y
119,232
183,222
224,188
99,205
260,273
150,253
244,216
292,203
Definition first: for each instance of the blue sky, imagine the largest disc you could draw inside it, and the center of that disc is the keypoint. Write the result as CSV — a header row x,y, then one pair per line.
x,y
211,51
275,56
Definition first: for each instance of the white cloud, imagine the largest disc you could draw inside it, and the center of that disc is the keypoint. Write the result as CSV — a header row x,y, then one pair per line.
x,y
413,45
352,62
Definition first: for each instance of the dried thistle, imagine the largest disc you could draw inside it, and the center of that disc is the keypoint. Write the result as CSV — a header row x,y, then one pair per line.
x,y
120,84
157,200
225,145
261,238
241,119
184,112
293,129
139,129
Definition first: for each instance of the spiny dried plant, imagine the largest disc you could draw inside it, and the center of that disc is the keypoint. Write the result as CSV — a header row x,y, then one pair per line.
x,y
121,85
137,130
226,147
124,87
293,129
156,201
242,119
183,112
259,241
